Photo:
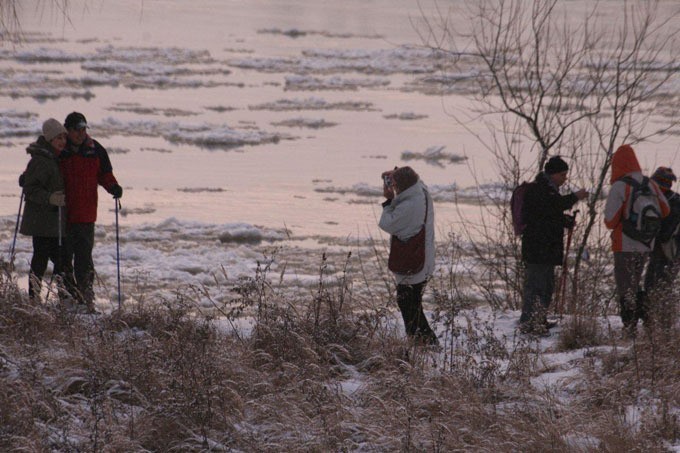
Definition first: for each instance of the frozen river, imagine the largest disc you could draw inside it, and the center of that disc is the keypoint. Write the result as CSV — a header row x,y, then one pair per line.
x,y
266,112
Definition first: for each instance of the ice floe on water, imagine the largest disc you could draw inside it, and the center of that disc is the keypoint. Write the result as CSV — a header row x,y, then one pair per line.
x,y
305,122
15,123
155,150
42,55
312,103
297,33
159,55
220,108
401,59
201,189
459,82
117,150
132,67
405,116
434,155
136,211
168,60
205,135
141,110
310,83
40,85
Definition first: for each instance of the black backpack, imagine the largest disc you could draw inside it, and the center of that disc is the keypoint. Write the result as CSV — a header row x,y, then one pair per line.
x,y
643,220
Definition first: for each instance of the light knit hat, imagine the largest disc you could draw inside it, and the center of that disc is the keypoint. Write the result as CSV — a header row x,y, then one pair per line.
x,y
51,128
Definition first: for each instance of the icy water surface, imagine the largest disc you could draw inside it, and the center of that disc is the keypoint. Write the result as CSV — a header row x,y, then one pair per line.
x,y
279,113
273,113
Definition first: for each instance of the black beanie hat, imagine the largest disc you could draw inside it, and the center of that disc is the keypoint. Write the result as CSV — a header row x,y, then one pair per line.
x,y
556,165
75,120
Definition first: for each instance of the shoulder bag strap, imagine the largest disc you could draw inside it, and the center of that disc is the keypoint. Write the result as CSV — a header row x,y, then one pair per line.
x,y
426,207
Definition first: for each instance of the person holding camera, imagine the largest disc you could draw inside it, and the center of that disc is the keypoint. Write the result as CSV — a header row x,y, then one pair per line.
x,y
43,189
408,216
543,241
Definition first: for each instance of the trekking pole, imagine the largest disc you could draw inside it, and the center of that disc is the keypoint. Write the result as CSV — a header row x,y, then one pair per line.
x,y
16,230
563,280
117,203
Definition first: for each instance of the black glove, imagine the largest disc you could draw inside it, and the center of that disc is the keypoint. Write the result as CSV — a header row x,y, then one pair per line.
x,y
569,221
22,180
116,191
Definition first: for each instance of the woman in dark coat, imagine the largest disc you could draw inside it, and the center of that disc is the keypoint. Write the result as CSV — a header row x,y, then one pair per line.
x,y
44,209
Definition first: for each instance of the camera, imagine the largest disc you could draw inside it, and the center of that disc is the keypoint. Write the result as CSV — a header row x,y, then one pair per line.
x,y
387,180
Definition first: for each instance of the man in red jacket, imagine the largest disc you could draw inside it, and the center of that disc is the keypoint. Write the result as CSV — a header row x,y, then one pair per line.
x,y
85,165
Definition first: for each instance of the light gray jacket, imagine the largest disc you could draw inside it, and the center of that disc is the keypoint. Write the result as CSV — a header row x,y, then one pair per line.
x,y
403,217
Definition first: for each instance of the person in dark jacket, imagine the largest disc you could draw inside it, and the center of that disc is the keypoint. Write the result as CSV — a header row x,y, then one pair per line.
x,y
543,241
664,260
85,165
43,189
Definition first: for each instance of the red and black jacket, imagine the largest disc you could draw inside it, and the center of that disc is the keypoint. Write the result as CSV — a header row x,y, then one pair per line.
x,y
83,169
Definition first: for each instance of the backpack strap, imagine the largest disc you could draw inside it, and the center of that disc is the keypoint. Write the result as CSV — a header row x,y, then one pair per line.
x,y
636,188
426,206
633,183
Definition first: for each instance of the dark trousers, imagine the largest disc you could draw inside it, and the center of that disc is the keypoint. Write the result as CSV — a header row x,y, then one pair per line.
x,y
659,278
409,299
628,267
45,249
539,286
660,272
79,252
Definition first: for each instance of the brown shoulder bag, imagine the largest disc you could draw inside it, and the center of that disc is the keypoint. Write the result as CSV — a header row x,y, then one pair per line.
x,y
408,257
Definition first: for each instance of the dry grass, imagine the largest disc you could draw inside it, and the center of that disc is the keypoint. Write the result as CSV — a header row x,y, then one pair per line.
x,y
316,373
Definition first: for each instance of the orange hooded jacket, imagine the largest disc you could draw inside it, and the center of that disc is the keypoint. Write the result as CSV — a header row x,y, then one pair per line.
x,y
624,162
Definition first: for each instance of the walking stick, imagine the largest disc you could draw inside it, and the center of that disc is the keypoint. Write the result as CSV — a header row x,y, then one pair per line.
x,y
117,203
16,230
563,279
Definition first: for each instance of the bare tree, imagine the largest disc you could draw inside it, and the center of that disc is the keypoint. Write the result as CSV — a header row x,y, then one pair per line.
x,y
553,83
11,10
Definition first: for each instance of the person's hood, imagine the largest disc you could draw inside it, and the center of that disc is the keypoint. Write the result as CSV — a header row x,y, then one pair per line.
x,y
624,162
41,147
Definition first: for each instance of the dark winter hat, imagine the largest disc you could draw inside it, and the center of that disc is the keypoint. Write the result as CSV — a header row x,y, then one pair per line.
x,y
404,177
556,165
76,121
664,178
52,128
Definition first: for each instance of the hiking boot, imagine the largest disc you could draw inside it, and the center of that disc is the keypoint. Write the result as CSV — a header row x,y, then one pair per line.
x,y
426,339
530,329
